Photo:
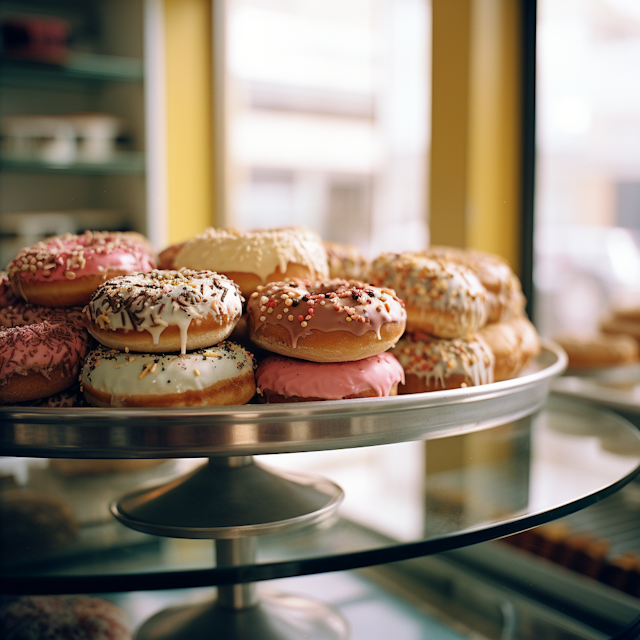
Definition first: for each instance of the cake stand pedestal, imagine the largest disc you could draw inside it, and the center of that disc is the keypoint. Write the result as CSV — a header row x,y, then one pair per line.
x,y
232,500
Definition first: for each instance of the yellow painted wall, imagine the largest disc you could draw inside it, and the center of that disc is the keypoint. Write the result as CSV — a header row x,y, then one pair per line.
x,y
189,78
475,154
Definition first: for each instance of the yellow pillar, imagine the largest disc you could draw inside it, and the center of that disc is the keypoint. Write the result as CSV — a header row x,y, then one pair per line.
x,y
189,78
476,115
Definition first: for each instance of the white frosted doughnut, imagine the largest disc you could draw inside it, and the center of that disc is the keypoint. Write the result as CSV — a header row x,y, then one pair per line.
x,y
218,375
164,311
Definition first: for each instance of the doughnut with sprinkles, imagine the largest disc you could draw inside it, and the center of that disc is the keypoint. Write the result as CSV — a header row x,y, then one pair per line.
x,y
164,311
63,271
213,376
329,321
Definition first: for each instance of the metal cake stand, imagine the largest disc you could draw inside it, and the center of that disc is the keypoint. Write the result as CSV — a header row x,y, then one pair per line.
x,y
232,500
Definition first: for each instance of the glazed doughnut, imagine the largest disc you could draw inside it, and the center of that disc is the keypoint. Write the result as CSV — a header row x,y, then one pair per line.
x,y
434,364
256,257
346,262
7,296
63,271
504,291
164,311
443,299
218,375
62,617
280,379
514,344
40,351
332,321
599,350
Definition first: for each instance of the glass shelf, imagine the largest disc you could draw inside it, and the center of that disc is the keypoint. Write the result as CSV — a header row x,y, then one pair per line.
x,y
123,163
513,476
80,69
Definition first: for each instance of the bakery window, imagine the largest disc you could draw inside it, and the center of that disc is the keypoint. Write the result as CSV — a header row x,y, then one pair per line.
x,y
326,111
587,244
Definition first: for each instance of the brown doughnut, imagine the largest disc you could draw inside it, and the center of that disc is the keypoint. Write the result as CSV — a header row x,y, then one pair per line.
x,y
434,364
599,350
332,321
256,258
442,298
164,311
346,262
514,344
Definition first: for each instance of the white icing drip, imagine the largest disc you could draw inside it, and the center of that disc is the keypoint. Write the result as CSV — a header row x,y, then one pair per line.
x,y
472,358
165,310
116,375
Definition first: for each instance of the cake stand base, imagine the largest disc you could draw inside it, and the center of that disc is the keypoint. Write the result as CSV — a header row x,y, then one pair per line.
x,y
274,617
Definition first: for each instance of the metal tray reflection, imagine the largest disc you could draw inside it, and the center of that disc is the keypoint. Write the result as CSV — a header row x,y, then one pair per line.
x,y
259,429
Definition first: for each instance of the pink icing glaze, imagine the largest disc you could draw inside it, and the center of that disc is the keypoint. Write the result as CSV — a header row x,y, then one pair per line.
x,y
328,380
7,296
73,256
40,338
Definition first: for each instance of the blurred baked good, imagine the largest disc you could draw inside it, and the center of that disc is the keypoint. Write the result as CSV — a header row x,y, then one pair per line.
x,y
34,523
599,350
62,618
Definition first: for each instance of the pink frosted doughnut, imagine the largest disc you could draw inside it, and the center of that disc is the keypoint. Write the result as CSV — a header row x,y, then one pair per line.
x,y
280,379
63,271
7,296
40,351
77,617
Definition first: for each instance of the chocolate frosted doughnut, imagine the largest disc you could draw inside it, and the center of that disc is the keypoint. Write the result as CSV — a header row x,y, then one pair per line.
x,y
332,321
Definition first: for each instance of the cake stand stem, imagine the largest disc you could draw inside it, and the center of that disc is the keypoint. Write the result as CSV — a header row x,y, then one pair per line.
x,y
238,612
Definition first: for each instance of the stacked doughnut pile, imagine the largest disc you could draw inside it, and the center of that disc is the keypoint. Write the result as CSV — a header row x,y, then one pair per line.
x,y
162,338
42,333
320,338
323,322
465,318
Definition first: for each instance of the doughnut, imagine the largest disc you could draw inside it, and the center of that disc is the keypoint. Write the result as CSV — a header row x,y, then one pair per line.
x,y
280,379
331,321
434,364
63,271
35,523
7,296
346,262
166,258
586,351
256,257
62,618
504,291
40,351
442,298
514,344
164,311
215,376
